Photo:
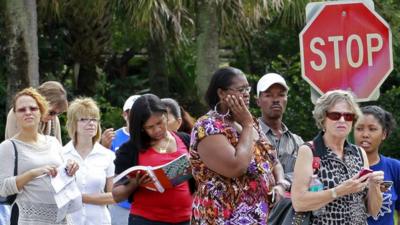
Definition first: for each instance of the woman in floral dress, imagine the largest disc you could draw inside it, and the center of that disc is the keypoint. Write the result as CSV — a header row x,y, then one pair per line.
x,y
234,165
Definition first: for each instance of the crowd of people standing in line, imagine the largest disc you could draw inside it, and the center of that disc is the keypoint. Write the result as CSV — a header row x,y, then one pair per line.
x,y
241,165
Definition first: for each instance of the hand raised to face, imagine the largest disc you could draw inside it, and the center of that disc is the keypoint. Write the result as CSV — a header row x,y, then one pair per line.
x,y
239,110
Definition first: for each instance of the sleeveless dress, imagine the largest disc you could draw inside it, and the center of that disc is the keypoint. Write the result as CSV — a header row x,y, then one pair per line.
x,y
349,209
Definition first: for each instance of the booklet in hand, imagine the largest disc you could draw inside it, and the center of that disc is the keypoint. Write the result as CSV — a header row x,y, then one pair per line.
x,y
164,176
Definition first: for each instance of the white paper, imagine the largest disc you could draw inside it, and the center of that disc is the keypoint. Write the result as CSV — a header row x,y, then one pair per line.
x,y
68,197
61,180
68,200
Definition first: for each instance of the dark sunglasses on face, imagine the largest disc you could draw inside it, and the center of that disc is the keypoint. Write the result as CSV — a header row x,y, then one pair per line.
x,y
54,113
337,115
31,108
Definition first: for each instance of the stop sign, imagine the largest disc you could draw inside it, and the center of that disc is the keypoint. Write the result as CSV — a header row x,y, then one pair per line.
x,y
346,46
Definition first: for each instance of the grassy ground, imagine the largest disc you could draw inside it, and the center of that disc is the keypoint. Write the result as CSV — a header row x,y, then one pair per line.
x,y
395,217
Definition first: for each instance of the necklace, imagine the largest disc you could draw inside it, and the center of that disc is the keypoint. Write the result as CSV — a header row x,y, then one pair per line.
x,y
164,150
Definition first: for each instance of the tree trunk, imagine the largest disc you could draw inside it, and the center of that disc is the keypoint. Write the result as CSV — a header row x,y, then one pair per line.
x,y
88,38
86,80
207,38
158,75
22,46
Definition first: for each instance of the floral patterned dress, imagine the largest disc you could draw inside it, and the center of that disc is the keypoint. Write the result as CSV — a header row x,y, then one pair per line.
x,y
221,200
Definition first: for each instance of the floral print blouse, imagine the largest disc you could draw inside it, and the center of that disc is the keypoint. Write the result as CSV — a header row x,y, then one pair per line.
x,y
222,200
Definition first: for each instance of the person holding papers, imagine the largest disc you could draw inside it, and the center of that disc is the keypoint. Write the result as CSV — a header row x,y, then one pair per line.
x,y
94,179
39,156
151,144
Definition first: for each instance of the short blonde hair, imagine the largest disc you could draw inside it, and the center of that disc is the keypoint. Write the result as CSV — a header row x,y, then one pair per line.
x,y
40,100
328,100
82,108
55,94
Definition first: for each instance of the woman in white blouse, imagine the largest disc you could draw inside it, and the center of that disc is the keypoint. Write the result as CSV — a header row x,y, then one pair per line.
x,y
39,157
94,177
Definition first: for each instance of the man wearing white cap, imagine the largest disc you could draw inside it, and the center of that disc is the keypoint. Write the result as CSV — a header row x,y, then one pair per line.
x,y
272,93
120,212
122,134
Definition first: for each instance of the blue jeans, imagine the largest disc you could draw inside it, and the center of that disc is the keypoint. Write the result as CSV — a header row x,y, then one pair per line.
x,y
119,215
5,212
138,220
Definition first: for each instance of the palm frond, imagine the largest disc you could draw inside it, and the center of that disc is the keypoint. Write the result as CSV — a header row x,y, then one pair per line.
x,y
293,13
162,19
50,9
244,15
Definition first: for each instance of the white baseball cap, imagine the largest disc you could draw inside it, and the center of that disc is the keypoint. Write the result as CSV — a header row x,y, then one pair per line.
x,y
268,80
129,102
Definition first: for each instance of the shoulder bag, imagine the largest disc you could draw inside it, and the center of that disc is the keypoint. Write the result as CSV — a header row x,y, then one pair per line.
x,y
9,200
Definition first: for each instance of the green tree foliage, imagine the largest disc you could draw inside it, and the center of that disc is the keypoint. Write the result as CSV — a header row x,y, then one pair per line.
x,y
161,22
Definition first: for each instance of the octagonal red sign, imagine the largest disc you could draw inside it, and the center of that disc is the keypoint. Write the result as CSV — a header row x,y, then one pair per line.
x,y
346,45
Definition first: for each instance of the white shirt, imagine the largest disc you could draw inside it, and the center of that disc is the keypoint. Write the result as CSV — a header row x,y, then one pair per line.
x,y
35,201
91,178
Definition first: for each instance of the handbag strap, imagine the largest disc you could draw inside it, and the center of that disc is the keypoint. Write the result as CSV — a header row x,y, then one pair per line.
x,y
15,158
316,163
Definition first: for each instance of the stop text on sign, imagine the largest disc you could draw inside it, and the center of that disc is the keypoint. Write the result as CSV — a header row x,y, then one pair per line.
x,y
374,43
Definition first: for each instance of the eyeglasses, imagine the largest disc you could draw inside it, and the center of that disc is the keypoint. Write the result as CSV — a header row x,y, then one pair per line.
x,y
242,90
88,120
31,108
54,113
337,115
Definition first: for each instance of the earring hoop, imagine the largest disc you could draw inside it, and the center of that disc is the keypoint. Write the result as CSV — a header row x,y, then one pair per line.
x,y
221,115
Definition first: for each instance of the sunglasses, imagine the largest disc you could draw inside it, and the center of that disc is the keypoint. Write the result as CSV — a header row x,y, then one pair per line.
x,y
31,108
54,113
337,115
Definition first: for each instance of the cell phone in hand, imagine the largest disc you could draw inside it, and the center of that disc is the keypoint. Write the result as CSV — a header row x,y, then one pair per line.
x,y
386,185
364,171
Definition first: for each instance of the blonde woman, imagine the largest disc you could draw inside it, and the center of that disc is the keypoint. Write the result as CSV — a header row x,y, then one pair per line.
x,y
94,179
39,156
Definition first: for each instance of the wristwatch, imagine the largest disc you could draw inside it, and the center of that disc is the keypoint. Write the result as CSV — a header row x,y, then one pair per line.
x,y
333,193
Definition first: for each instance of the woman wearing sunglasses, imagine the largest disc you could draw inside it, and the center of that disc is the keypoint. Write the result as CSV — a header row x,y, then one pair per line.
x,y
56,96
347,197
374,127
39,157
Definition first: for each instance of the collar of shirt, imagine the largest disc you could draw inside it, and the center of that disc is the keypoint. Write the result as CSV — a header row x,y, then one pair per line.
x,y
266,129
69,148
321,148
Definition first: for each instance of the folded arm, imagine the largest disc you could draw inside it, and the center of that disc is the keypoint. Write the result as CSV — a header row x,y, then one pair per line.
x,y
100,198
